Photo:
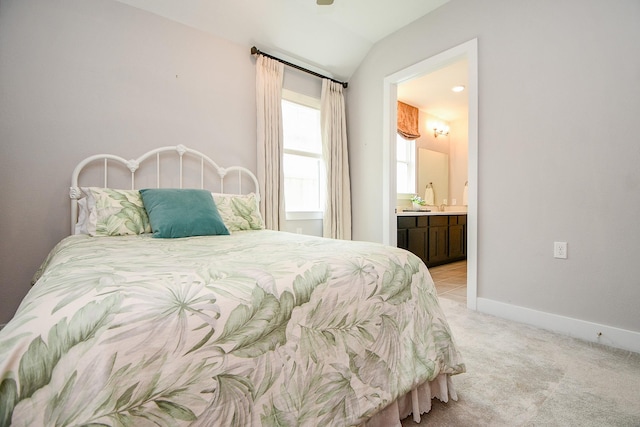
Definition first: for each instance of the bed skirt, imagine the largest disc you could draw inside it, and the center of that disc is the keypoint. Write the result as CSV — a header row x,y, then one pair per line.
x,y
417,401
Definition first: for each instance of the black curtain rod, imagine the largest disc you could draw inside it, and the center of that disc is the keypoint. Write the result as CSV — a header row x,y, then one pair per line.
x,y
256,51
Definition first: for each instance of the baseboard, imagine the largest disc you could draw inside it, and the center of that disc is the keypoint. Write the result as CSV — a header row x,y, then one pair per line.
x,y
588,331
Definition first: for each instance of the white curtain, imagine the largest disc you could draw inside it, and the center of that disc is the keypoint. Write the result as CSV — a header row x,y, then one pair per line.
x,y
269,76
337,215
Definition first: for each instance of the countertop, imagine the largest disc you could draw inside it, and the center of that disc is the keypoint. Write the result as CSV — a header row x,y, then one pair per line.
x,y
433,212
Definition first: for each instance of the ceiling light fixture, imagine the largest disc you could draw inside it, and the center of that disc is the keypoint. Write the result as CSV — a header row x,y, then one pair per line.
x,y
459,88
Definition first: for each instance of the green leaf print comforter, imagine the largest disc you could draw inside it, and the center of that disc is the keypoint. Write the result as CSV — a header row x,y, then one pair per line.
x,y
259,328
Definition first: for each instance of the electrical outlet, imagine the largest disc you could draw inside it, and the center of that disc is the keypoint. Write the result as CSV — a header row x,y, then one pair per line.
x,y
560,250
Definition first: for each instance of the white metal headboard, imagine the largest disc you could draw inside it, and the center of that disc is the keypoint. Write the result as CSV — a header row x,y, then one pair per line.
x,y
205,163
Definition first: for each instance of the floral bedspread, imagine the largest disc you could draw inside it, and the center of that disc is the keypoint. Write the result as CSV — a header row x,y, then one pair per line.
x,y
257,328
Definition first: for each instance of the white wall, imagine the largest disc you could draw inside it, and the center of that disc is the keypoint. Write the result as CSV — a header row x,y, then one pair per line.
x,y
558,150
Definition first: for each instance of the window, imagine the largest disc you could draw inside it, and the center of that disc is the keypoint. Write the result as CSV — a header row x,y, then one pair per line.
x,y
406,167
302,163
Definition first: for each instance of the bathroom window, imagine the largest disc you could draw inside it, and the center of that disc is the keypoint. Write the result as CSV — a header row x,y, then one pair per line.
x,y
303,164
406,167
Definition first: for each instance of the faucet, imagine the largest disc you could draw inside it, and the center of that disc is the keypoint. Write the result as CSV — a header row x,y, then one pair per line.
x,y
442,207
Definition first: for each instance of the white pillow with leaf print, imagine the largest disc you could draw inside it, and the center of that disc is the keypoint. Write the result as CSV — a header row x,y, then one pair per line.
x,y
115,212
239,211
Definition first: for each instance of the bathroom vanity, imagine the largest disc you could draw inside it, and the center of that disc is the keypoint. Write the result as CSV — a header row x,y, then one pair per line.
x,y
436,237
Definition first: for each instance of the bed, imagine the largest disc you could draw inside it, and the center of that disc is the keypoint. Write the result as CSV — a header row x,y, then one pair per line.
x,y
252,327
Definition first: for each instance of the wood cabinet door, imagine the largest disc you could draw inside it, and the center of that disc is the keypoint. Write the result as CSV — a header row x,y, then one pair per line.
x,y
402,239
456,241
417,242
438,250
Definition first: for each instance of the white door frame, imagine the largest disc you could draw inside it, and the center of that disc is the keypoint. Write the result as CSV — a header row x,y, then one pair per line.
x,y
468,50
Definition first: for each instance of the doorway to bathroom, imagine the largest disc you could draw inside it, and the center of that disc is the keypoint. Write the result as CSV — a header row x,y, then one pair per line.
x,y
466,52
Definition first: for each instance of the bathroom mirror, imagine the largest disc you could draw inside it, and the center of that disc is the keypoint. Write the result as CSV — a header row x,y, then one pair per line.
x,y
433,167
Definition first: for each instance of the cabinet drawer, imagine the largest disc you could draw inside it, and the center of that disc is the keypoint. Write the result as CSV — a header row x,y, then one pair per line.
x,y
457,219
423,221
406,222
438,220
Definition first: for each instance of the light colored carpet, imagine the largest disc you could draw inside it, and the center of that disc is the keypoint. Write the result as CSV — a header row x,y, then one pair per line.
x,y
518,375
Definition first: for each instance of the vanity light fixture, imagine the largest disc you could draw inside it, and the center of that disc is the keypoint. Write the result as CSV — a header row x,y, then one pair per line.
x,y
457,89
440,129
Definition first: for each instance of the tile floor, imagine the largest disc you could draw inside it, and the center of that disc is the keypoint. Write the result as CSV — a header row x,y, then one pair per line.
x,y
451,281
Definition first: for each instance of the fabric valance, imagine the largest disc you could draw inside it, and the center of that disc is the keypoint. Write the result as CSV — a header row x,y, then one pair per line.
x,y
408,121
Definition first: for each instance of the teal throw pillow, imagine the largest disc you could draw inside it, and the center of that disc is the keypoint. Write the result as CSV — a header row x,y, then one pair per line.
x,y
182,213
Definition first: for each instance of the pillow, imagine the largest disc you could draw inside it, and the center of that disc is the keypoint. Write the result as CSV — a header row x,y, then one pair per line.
x,y
239,212
83,216
182,213
110,212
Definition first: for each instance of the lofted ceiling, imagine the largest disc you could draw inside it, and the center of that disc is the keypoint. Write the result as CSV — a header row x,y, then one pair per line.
x,y
332,40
